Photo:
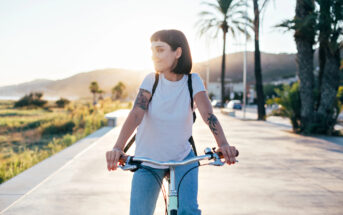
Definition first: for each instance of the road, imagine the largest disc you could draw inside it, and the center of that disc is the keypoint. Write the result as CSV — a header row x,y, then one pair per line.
x,y
278,173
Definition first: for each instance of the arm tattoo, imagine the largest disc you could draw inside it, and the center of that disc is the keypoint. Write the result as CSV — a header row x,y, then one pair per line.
x,y
212,123
141,100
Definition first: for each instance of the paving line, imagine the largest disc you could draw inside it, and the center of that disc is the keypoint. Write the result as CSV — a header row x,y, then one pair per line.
x,y
57,171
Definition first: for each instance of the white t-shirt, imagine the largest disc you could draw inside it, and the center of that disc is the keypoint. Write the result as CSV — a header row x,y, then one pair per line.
x,y
167,125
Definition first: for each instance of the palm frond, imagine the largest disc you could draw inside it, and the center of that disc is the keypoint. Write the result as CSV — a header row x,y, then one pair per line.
x,y
236,13
211,21
206,25
263,9
286,25
237,4
212,5
205,13
265,3
225,5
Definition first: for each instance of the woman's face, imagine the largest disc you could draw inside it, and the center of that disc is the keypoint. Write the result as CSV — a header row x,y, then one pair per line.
x,y
164,58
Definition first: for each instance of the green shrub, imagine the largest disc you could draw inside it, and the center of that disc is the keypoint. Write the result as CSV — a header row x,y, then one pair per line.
x,y
269,90
340,94
62,102
54,129
34,124
289,99
31,100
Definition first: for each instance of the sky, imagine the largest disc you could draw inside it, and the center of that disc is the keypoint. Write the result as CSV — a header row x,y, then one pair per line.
x,y
46,39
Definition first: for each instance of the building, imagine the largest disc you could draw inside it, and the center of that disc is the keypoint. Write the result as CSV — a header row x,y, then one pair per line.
x,y
214,89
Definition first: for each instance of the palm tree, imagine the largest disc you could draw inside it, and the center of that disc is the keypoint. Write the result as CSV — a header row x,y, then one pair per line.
x,y
118,90
330,20
94,88
227,16
258,70
318,102
100,92
304,26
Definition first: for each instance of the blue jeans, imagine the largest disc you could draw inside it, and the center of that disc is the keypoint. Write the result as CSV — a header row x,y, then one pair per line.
x,y
145,189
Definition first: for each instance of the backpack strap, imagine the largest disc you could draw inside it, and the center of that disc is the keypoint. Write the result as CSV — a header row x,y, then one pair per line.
x,y
155,85
190,89
153,91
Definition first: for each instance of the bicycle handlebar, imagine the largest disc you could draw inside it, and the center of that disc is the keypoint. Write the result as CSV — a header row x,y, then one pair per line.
x,y
208,154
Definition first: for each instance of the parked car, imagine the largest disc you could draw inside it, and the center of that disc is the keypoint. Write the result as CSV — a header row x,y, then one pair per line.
x,y
234,104
216,103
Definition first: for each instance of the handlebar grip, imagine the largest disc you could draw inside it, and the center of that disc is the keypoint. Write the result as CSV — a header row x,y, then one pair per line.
x,y
123,159
222,156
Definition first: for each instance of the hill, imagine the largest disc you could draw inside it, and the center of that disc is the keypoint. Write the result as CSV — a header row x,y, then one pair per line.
x,y
77,86
274,67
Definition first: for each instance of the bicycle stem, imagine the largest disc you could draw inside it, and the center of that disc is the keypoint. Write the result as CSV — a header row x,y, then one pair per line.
x,y
172,204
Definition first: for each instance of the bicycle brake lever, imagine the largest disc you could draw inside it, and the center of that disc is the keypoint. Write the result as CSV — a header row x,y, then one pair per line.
x,y
217,161
129,167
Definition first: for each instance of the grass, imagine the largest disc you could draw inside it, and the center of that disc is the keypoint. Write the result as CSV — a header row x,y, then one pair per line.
x,y
28,136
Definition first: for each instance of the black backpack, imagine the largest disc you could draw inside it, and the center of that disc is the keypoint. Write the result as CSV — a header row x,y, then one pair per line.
x,y
190,88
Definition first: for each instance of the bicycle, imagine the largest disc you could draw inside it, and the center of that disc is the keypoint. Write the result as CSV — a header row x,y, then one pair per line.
x,y
133,163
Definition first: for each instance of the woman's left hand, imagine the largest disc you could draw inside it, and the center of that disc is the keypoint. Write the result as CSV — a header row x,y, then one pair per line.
x,y
229,153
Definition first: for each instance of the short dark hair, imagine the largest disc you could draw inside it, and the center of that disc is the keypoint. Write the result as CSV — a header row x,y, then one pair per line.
x,y
175,39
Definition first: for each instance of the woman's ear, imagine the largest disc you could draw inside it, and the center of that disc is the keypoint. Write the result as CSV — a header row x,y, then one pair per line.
x,y
178,52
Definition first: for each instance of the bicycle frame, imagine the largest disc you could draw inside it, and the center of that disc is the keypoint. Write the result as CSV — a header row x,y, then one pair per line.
x,y
132,163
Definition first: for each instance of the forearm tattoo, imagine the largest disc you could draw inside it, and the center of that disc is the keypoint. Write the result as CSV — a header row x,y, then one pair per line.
x,y
212,123
141,100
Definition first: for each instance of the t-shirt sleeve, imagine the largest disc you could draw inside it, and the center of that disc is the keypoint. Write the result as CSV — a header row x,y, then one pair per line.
x,y
148,82
197,84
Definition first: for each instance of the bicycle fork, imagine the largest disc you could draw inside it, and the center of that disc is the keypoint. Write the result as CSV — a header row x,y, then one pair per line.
x,y
172,204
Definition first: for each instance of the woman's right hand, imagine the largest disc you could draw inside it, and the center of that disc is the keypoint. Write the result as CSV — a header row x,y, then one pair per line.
x,y
112,158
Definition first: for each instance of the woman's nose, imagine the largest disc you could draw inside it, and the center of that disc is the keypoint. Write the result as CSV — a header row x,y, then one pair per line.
x,y
154,57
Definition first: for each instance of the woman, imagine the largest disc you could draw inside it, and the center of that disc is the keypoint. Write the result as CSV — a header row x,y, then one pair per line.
x,y
165,125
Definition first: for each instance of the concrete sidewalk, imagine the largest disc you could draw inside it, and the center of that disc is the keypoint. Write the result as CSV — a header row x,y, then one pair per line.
x,y
278,173
22,184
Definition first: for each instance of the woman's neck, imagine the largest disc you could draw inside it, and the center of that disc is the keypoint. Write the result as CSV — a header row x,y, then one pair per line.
x,y
170,76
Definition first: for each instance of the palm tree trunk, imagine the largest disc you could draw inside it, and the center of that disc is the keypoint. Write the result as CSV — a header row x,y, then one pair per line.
x,y
329,76
258,69
330,82
94,98
321,60
304,39
223,71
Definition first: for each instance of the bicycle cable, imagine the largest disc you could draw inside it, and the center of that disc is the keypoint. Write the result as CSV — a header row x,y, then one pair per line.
x,y
160,182
178,187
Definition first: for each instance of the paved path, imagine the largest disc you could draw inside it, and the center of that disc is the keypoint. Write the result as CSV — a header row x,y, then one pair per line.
x,y
278,173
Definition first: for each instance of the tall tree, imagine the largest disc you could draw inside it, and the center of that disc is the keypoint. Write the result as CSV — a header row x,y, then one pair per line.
x,y
319,105
94,88
330,20
227,16
258,70
304,26
100,92
118,90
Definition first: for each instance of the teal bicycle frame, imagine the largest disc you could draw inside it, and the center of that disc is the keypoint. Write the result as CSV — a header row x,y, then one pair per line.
x,y
132,163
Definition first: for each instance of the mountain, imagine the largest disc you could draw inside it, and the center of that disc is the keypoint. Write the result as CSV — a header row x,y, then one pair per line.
x,y
77,86
274,67
20,89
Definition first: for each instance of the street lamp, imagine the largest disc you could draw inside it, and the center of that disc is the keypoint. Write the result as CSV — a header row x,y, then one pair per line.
x,y
245,60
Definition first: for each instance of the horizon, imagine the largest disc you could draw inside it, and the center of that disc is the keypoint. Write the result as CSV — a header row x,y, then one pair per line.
x,y
90,36
138,70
